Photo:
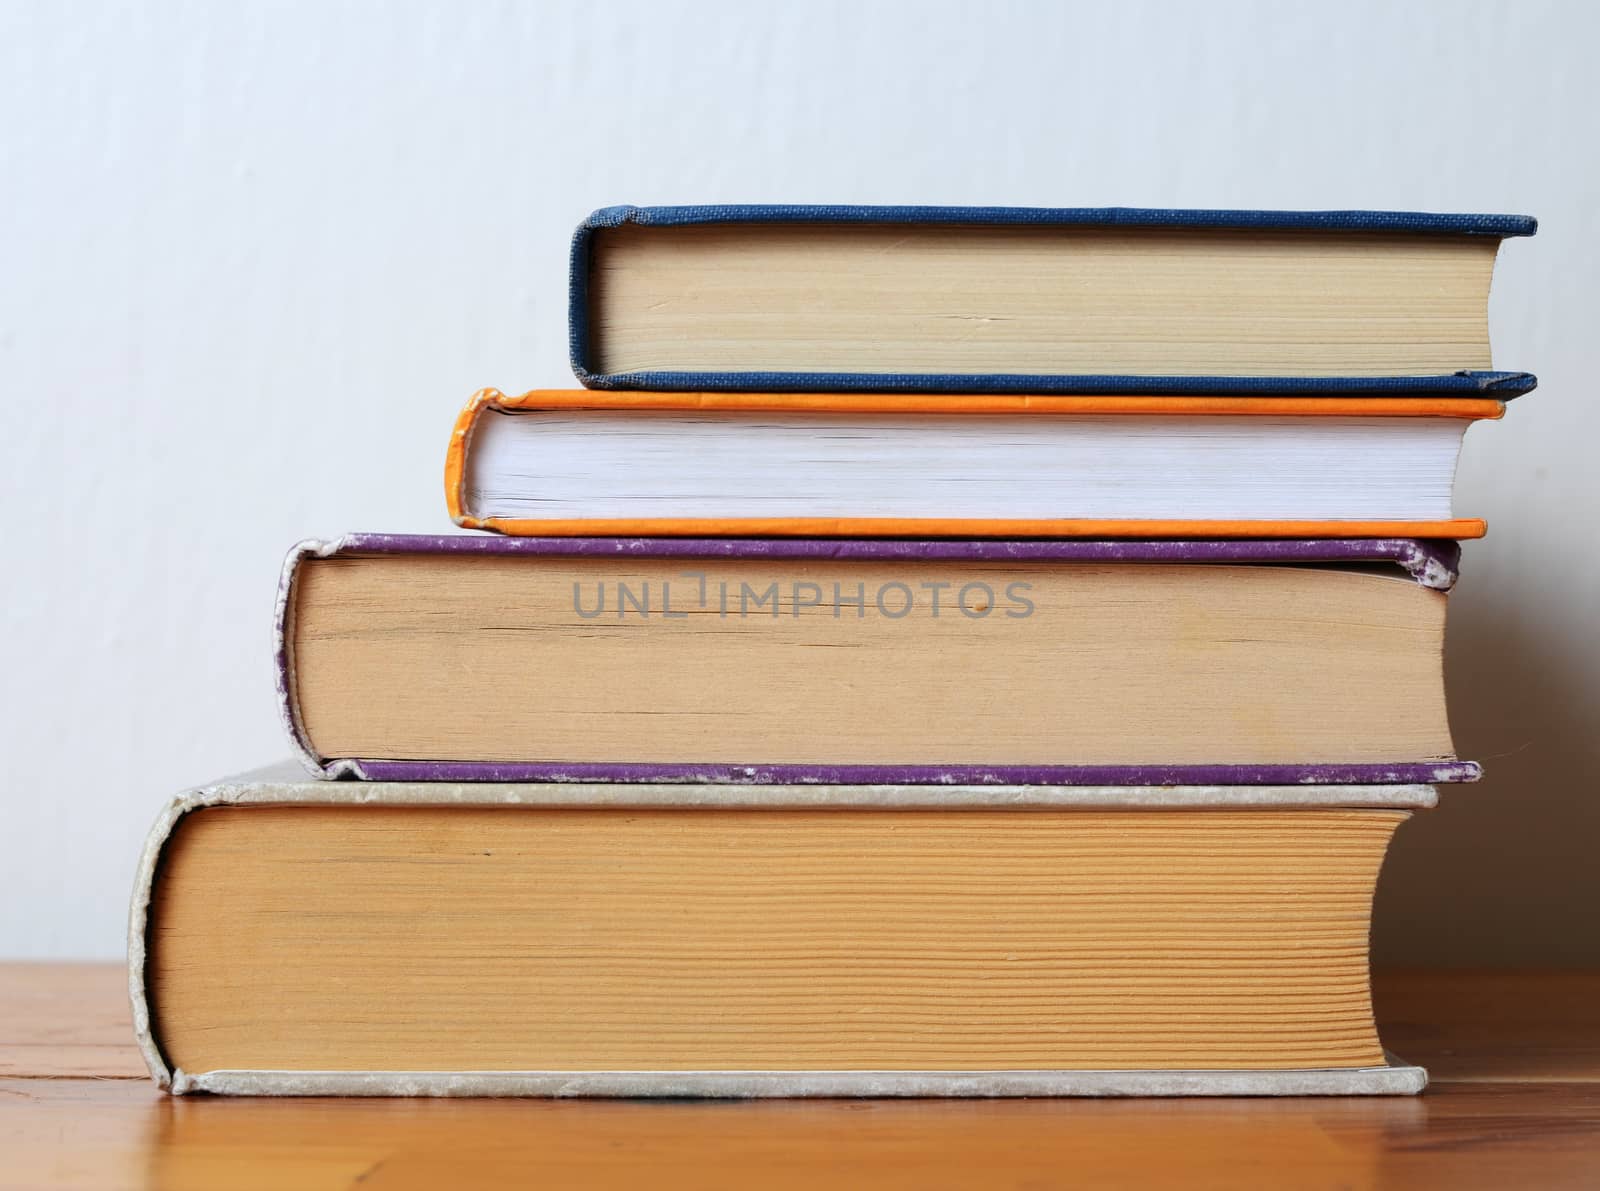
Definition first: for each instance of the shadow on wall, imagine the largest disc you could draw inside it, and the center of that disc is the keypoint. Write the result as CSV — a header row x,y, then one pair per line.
x,y
1505,871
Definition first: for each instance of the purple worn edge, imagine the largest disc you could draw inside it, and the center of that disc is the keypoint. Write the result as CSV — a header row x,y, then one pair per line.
x,y
1417,773
1430,563
1419,557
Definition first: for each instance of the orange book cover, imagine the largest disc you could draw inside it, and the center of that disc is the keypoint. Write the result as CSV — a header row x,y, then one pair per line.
x,y
1022,406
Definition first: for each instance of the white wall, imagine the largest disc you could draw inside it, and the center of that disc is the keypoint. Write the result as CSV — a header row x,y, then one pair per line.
x,y
253,257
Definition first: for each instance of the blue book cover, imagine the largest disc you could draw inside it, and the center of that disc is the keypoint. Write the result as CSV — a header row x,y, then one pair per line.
x,y
1466,382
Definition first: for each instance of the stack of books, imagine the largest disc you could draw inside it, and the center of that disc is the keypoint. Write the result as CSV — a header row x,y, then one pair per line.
x,y
940,652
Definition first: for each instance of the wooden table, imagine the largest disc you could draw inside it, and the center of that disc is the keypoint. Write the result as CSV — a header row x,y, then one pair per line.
x,y
1515,1102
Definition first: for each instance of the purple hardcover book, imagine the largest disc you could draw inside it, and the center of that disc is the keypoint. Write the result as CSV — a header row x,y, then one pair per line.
x,y
632,660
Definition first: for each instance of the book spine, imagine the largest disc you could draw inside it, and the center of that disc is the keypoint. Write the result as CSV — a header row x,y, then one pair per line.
x,y
283,662
455,459
144,879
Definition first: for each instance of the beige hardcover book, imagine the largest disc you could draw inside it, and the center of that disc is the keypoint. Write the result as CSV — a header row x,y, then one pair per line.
x,y
869,661
295,937
1058,300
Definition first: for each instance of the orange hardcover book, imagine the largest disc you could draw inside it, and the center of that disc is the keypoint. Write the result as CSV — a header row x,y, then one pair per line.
x,y
564,463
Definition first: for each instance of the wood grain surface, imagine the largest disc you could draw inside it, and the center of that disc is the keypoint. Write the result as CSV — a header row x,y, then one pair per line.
x,y
1515,1103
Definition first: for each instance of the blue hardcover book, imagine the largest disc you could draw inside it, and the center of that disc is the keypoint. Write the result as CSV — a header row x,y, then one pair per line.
x,y
1037,300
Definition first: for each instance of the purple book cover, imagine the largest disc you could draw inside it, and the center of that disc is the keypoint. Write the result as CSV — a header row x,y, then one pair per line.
x,y
1430,563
